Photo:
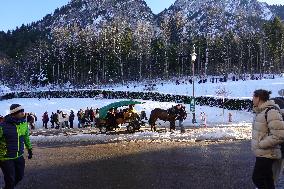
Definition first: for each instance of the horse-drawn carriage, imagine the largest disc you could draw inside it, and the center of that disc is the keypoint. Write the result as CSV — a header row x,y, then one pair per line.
x,y
109,120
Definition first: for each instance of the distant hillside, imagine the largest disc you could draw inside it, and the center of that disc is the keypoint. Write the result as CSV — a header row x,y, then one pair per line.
x,y
90,42
278,10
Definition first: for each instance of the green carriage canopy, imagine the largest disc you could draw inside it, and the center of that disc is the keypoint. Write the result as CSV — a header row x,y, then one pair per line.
x,y
104,110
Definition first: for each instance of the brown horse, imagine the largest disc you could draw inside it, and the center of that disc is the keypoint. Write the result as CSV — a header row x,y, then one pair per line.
x,y
164,115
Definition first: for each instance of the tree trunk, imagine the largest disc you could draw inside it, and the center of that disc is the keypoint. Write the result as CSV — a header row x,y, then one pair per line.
x,y
166,71
121,69
140,67
200,69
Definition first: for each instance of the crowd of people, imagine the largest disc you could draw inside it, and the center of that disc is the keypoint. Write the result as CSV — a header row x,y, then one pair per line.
x,y
60,119
224,79
86,118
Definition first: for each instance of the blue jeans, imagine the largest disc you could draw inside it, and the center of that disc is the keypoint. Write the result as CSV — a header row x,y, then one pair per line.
x,y
79,123
180,123
13,171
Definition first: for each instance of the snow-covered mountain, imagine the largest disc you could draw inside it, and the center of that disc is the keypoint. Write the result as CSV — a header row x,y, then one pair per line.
x,y
202,16
278,10
99,13
213,17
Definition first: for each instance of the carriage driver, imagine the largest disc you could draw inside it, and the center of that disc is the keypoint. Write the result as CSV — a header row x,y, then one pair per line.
x,y
131,109
131,112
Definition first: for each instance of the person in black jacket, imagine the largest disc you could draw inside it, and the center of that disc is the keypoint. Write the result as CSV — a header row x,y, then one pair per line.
x,y
56,119
92,117
52,121
45,120
71,119
174,110
111,118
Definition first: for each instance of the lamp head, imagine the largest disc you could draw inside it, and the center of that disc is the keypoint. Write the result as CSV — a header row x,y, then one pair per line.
x,y
193,56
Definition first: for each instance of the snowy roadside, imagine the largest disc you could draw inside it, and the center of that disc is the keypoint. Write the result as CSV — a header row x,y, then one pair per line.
x,y
191,135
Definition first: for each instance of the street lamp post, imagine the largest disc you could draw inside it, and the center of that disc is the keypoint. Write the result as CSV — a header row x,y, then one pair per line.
x,y
193,58
90,77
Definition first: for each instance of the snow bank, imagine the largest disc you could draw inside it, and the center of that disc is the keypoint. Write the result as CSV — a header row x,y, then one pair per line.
x,y
192,135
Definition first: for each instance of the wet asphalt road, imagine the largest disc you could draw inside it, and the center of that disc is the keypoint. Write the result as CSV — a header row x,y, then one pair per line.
x,y
168,165
131,165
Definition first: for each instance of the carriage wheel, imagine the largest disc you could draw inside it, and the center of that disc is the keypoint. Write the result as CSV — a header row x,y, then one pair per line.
x,y
153,128
130,128
136,125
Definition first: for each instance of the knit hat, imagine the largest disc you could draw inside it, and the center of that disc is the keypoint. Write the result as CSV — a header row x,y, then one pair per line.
x,y
16,108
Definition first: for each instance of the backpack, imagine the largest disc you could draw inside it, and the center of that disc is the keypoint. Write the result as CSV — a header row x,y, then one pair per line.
x,y
266,111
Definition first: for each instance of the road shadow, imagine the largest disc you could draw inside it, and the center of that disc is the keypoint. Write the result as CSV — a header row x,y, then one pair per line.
x,y
216,166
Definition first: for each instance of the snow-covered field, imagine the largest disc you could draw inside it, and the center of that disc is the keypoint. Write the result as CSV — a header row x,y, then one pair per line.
x,y
219,128
214,115
217,122
234,89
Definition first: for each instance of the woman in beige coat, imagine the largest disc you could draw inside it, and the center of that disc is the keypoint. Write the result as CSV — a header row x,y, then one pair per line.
x,y
267,134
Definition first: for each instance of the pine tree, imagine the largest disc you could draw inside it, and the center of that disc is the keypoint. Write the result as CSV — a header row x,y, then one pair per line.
x,y
274,32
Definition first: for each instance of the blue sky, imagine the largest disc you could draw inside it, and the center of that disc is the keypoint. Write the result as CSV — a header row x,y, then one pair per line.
x,y
14,13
